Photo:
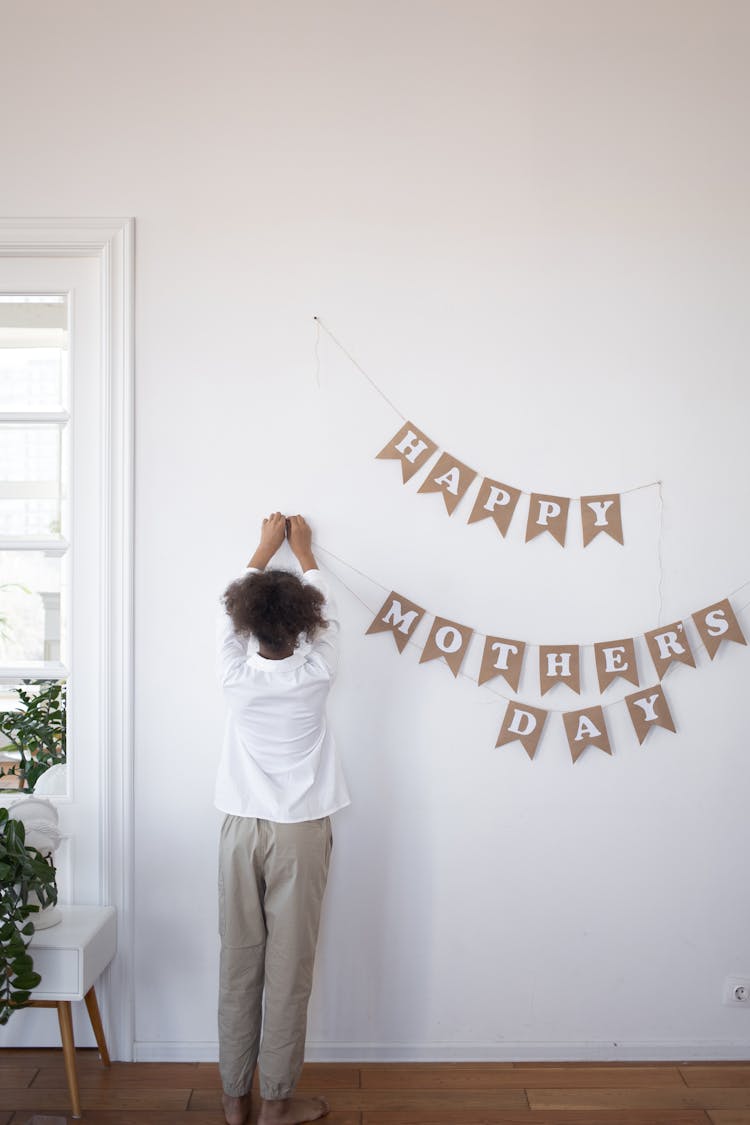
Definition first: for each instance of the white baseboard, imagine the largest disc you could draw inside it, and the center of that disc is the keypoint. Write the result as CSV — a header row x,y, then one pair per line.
x,y
607,1051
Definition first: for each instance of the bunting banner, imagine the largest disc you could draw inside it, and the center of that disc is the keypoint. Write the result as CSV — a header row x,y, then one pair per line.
x,y
496,500
503,658
524,724
667,645
398,616
449,640
411,447
547,513
613,659
648,709
450,477
559,664
718,623
596,516
586,728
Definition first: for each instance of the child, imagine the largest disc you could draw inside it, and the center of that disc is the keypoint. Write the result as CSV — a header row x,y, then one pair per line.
x,y
278,782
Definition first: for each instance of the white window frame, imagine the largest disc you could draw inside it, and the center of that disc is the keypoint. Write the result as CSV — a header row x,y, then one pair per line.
x,y
110,243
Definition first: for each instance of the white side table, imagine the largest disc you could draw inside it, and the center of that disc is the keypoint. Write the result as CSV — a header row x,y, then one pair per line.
x,y
70,957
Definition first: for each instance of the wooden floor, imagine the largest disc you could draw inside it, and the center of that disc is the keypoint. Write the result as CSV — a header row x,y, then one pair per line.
x,y
33,1082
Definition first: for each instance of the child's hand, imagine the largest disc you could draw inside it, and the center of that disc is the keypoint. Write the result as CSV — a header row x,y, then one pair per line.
x,y
273,532
271,537
299,535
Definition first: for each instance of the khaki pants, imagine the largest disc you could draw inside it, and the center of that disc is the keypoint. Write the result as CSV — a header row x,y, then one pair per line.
x,y
271,882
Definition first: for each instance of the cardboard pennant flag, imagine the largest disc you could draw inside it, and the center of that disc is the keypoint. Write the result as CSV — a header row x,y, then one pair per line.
x,y
559,664
586,728
449,640
547,513
495,501
451,477
613,659
522,723
717,623
504,658
411,447
398,616
601,513
649,708
667,644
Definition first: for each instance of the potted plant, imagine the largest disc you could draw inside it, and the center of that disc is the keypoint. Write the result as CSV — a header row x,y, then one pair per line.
x,y
36,731
27,883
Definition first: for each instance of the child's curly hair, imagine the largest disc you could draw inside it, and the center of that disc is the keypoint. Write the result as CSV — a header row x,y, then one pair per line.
x,y
276,607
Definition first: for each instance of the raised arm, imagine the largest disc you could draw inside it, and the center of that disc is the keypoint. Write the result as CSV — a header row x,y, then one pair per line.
x,y
299,535
231,649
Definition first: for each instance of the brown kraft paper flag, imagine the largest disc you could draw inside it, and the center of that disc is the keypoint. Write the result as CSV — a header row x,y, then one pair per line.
x,y
601,513
586,728
649,708
449,640
495,501
547,513
522,723
613,659
559,664
411,447
667,644
399,616
451,477
504,658
717,623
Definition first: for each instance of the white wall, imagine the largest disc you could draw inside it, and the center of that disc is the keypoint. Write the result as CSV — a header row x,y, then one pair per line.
x,y
528,222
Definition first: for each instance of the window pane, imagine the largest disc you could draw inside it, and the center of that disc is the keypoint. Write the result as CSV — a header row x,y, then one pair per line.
x,y
30,618
30,485
33,351
32,378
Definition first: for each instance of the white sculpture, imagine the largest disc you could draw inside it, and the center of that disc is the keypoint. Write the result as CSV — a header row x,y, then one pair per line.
x,y
40,820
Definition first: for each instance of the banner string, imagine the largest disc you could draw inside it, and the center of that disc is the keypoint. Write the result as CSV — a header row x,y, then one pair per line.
x,y
374,385
660,555
477,632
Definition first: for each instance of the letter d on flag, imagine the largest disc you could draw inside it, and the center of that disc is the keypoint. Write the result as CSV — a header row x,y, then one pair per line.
x,y
524,724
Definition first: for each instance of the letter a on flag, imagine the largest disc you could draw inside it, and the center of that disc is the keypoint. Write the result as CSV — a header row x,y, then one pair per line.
x,y
586,728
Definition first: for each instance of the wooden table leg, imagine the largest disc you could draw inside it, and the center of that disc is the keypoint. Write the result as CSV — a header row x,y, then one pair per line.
x,y
96,1023
69,1053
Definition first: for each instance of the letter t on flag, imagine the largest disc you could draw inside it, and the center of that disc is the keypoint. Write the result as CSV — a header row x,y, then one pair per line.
x,y
399,616
523,724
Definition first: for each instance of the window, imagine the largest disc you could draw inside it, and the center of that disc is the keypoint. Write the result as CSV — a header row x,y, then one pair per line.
x,y
34,538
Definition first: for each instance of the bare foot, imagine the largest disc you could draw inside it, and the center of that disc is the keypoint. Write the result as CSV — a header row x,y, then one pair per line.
x,y
292,1111
236,1110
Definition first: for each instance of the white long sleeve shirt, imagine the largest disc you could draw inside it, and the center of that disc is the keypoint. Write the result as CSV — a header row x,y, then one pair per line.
x,y
279,759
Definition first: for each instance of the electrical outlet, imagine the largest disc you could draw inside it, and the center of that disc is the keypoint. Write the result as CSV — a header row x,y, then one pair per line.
x,y
737,991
